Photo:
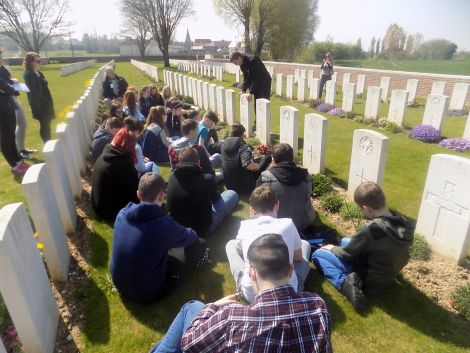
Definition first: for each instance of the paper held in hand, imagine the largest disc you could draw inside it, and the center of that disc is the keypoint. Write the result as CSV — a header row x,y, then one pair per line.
x,y
20,87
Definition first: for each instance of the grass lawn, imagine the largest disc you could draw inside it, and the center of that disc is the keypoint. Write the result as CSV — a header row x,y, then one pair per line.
x,y
450,67
403,321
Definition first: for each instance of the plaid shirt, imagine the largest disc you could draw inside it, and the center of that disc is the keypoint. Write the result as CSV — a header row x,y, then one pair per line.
x,y
279,320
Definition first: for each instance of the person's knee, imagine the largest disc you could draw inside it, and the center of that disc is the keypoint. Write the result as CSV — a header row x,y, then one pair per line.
x,y
192,305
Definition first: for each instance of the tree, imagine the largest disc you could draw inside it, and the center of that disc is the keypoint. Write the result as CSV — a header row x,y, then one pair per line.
x,y
377,47
409,48
437,49
136,27
372,47
393,42
240,11
261,24
31,23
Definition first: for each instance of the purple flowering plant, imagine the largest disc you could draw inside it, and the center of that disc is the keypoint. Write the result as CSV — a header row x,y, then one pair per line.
x,y
456,144
325,107
426,133
336,111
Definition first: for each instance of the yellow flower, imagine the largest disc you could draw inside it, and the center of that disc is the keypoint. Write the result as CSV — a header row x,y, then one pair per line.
x,y
40,246
36,235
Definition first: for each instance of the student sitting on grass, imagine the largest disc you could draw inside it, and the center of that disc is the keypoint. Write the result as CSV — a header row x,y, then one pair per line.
x,y
175,118
279,320
208,123
293,187
240,169
193,199
263,208
104,135
367,263
154,140
143,164
131,107
145,101
156,96
166,95
151,253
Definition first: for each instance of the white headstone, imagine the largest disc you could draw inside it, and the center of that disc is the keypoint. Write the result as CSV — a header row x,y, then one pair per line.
x,y
302,89
314,88
38,191
76,134
24,284
230,106
315,132
436,107
296,75
289,129
237,75
220,99
438,87
212,97
346,78
279,84
54,155
263,120
398,103
71,163
330,95
444,215
466,133
290,87
372,102
246,114
361,84
384,86
369,154
412,89
205,95
194,89
185,86
349,94
303,73
200,102
458,98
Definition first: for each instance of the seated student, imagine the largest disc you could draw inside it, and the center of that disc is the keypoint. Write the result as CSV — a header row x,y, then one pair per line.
x,y
104,135
143,164
194,115
293,187
367,263
193,200
155,141
115,110
264,208
209,121
150,251
131,107
240,170
189,129
114,86
156,96
279,320
145,101
115,179
175,118
166,95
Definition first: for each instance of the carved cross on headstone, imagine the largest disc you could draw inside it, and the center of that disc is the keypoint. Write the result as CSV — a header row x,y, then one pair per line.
x,y
361,177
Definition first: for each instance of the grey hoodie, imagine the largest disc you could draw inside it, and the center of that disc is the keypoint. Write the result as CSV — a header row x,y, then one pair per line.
x,y
100,139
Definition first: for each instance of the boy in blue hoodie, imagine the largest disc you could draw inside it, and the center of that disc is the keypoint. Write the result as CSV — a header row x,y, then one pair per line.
x,y
151,252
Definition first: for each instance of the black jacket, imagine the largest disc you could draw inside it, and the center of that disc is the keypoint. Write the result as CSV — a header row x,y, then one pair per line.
x,y
145,105
108,91
114,182
190,194
39,95
6,102
100,139
256,77
6,75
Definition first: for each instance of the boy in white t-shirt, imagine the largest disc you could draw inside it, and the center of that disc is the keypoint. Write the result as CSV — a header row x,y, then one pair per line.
x,y
263,207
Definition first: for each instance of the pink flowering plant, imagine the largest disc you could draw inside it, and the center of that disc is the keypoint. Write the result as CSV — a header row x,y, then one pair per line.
x,y
325,107
336,112
426,133
456,144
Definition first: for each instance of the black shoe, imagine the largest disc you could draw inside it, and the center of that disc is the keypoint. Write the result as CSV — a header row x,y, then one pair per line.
x,y
28,151
352,289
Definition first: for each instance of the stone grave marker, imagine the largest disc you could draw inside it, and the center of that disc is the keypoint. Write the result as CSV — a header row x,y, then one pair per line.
x,y
436,107
458,98
412,89
372,102
279,84
246,114
438,87
349,94
290,87
398,103
289,129
314,151
330,95
263,120
384,87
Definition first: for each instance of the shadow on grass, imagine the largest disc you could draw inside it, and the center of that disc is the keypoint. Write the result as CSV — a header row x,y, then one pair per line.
x,y
97,327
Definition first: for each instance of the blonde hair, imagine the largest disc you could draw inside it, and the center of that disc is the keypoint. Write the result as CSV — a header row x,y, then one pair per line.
x,y
29,59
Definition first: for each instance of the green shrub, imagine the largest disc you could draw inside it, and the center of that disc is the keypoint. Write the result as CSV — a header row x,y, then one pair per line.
x,y
331,202
223,133
313,103
188,100
349,211
394,128
461,300
254,141
349,115
419,250
321,184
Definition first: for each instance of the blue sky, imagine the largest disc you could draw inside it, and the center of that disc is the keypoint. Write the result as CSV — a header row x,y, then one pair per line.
x,y
344,20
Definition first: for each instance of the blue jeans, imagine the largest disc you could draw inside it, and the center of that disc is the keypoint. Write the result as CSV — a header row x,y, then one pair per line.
x,y
171,343
216,160
222,208
333,268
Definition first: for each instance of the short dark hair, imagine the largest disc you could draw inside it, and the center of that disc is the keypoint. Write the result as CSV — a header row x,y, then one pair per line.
x,y
263,199
187,126
237,130
176,105
370,194
150,185
188,155
283,153
269,255
212,116
235,55
193,114
114,123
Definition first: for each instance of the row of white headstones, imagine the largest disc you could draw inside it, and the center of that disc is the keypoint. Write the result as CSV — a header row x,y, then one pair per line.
x,y
49,189
436,108
444,216
69,69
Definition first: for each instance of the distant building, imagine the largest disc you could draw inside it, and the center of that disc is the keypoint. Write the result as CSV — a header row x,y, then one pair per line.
x,y
207,46
187,43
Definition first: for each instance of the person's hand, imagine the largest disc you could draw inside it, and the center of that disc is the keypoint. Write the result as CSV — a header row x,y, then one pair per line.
x,y
15,80
230,299
201,142
146,160
327,247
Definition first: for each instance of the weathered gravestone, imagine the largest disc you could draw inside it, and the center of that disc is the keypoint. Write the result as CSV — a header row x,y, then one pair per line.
x,y
398,103
369,154
412,89
289,129
263,120
330,95
220,95
436,107
458,98
384,87
279,83
349,93
212,97
205,95
438,87
314,88
346,78
314,150
246,114
444,215
290,87
71,163
302,89
372,102
361,84
230,106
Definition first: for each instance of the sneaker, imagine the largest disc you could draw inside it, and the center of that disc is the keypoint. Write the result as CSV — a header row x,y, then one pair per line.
x,y
352,289
25,156
28,151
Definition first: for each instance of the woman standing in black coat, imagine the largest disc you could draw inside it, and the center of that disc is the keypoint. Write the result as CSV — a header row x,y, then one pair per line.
x,y
39,97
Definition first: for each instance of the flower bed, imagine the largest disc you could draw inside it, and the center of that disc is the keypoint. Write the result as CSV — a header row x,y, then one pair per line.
x,y
426,133
456,144
325,107
336,112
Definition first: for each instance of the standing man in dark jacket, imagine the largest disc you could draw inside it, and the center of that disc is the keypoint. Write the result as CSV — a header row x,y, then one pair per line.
x,y
240,169
293,187
152,252
256,77
193,199
367,263
114,86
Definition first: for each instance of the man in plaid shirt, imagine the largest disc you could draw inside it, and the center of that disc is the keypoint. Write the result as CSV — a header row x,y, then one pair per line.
x,y
279,320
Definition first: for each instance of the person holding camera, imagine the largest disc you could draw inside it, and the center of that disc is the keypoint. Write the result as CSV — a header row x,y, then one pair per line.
x,y
326,71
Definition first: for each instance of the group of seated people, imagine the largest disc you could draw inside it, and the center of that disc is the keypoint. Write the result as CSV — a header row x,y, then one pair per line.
x,y
160,230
